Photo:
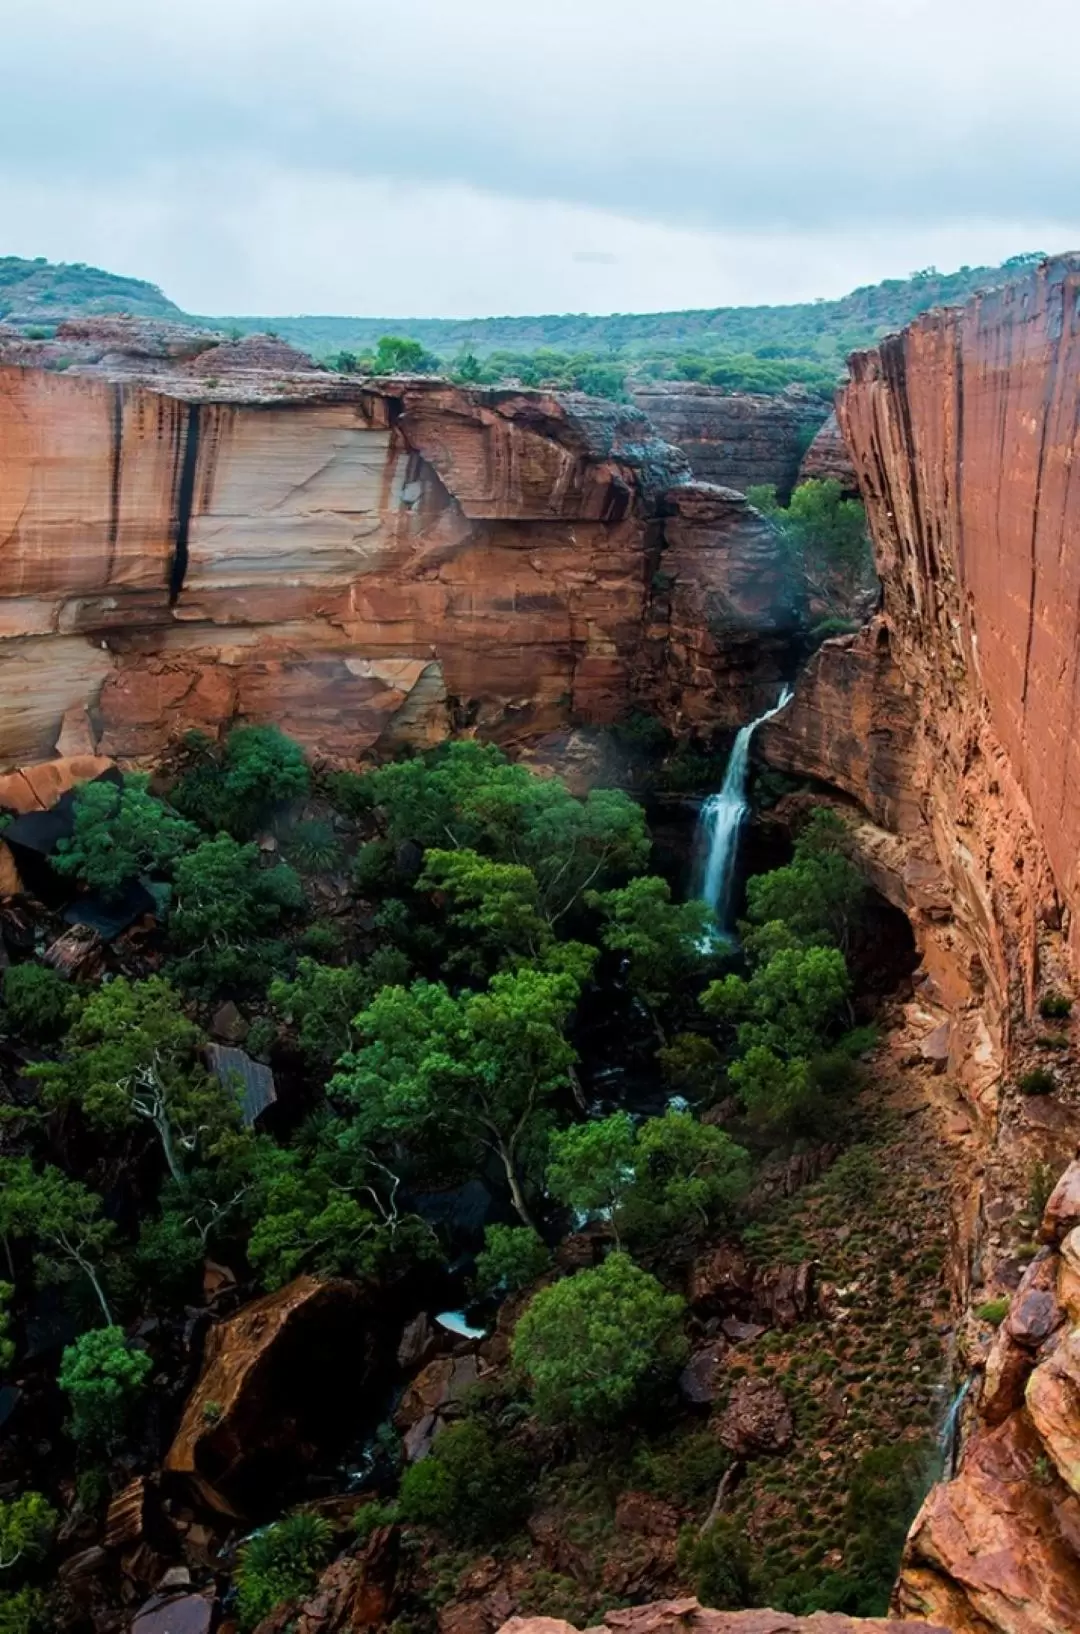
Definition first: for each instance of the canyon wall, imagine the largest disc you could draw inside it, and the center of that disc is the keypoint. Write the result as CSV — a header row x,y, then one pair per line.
x,y
735,439
950,720
194,532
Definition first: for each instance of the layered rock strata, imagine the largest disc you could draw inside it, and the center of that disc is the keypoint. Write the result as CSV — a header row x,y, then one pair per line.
x,y
195,531
735,439
950,721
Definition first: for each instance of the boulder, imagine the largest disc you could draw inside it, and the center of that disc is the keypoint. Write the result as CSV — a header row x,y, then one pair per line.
x,y
175,1613
703,1377
721,1280
285,1377
757,1419
989,1550
1034,1311
783,1295
1053,1400
1062,1212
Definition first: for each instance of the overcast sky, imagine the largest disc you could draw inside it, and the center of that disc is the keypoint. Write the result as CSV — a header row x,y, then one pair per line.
x,y
462,157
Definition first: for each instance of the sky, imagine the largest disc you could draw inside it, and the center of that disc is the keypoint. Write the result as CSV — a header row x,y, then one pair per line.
x,y
455,158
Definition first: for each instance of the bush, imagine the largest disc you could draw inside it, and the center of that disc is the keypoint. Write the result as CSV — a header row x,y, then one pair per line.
x,y
855,1176
1039,1081
23,1612
119,833
313,846
1055,1006
469,1486
718,1562
513,1257
27,1524
993,1311
103,1377
280,1563
595,1343
887,1488
38,1002
237,787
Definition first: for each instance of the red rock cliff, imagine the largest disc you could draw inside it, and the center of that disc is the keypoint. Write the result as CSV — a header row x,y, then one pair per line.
x,y
951,721
194,531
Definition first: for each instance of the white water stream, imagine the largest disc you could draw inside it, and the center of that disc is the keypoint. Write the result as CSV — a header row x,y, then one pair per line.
x,y
721,819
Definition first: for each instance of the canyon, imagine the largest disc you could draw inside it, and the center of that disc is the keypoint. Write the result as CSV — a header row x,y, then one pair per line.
x,y
195,532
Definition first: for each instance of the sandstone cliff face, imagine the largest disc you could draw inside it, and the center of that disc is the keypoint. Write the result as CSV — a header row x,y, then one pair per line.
x,y
828,458
950,720
734,439
193,532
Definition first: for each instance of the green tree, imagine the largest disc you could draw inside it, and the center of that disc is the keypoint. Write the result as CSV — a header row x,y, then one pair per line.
x,y
593,1344
132,1056
788,1005
673,1175
818,896
592,1165
666,943
467,795
471,1486
688,1175
512,1258
119,833
38,1001
318,1213
321,1003
27,1524
396,354
226,907
280,1562
479,1067
238,786
496,905
103,1377
60,1217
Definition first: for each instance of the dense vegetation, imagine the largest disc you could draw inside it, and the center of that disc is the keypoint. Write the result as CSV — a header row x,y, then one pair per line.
x,y
437,1019
760,349
43,292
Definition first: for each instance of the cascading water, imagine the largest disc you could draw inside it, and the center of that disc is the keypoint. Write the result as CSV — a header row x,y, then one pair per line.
x,y
721,819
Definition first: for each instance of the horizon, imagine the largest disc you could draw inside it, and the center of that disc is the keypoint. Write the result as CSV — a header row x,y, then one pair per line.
x,y
475,160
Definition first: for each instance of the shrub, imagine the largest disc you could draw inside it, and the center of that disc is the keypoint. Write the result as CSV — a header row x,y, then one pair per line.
x,y
469,1486
313,846
27,1524
23,1612
512,1258
280,1563
119,833
855,1176
1039,1081
1055,1006
103,1377
993,1311
718,1561
594,1343
38,1001
238,786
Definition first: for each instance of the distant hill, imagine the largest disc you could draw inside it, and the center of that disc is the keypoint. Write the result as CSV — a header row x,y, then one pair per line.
x,y
45,292
820,331
747,348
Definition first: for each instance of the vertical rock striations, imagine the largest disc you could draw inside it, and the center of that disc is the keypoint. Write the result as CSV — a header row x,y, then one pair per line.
x,y
195,531
952,721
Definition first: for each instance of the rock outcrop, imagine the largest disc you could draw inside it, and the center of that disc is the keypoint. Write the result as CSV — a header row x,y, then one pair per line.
x,y
688,1617
735,439
828,459
195,531
949,721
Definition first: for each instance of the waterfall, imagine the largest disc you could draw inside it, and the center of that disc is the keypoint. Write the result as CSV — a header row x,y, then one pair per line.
x,y
949,1434
721,818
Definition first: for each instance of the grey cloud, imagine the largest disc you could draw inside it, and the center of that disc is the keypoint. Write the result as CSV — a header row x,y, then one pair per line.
x,y
706,113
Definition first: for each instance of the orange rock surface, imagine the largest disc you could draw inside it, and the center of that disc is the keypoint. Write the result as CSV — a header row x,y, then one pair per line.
x,y
688,1617
191,539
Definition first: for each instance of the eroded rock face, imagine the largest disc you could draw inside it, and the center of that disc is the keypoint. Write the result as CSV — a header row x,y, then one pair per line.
x,y
688,1617
196,531
735,439
827,459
